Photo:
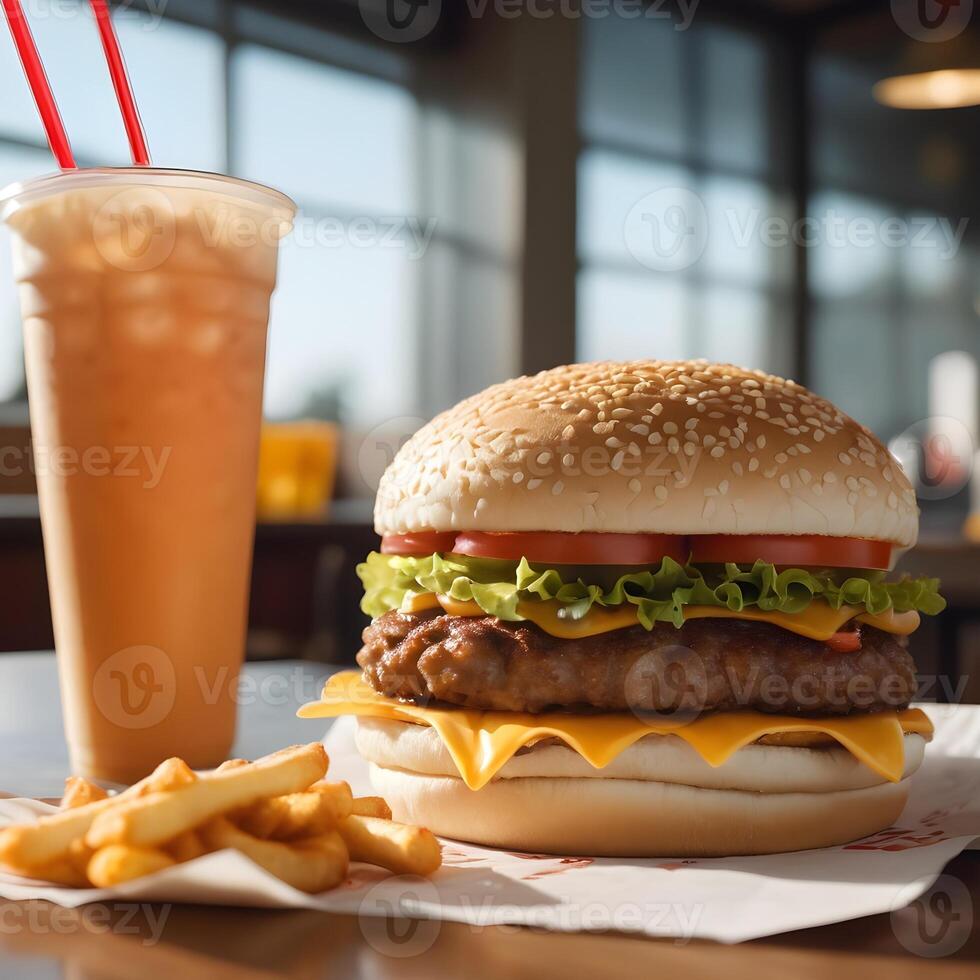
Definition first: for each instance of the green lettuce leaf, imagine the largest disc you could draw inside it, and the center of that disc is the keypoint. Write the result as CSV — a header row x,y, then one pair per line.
x,y
660,595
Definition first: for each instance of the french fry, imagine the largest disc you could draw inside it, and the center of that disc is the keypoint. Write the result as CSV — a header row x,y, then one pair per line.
x,y
311,866
287,817
371,806
159,817
278,810
117,863
340,796
28,847
186,847
79,855
79,792
398,847
61,871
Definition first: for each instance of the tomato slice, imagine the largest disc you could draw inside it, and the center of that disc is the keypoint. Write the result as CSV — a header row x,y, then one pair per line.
x,y
420,543
797,550
568,548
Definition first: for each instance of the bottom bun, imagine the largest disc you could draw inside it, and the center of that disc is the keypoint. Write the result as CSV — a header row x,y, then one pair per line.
x,y
635,818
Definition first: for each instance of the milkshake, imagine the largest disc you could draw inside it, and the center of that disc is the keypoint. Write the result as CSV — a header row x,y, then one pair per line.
x,y
145,296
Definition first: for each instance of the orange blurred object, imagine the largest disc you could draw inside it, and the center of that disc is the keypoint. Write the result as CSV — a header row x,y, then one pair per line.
x,y
297,465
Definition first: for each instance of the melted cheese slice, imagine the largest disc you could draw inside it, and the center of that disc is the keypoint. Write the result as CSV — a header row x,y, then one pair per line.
x,y
481,742
817,622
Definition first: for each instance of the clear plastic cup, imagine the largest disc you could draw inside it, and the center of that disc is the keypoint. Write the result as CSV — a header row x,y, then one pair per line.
x,y
145,296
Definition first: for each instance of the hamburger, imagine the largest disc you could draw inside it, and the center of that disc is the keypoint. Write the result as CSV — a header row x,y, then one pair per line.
x,y
641,609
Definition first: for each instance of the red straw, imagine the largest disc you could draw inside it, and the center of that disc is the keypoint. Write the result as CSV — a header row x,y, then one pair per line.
x,y
120,82
46,106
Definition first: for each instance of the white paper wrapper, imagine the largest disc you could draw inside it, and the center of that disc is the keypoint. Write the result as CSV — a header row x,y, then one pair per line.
x,y
727,899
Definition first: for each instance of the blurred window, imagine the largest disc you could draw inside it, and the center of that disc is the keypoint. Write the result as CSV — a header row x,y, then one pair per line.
x,y
684,213
893,271
332,122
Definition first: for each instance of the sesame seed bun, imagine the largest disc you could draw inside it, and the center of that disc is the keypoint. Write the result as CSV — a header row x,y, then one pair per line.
x,y
677,447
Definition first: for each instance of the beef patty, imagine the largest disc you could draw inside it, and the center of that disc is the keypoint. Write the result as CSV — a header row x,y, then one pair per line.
x,y
484,662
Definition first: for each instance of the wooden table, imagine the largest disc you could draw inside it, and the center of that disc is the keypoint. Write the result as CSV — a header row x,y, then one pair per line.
x,y
190,942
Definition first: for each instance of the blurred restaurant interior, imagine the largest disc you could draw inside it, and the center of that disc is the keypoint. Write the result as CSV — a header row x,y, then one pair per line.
x,y
497,188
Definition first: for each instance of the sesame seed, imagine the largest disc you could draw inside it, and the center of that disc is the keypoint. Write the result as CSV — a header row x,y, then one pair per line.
x,y
635,485
660,492
670,427
557,488
784,482
718,452
534,484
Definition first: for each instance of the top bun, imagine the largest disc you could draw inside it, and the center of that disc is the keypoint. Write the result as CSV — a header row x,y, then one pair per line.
x,y
677,447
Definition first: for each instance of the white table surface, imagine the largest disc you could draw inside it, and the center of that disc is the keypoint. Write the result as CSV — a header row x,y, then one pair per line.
x,y
33,754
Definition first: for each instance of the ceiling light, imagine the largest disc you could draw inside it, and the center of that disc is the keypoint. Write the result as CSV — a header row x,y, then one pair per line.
x,y
947,89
